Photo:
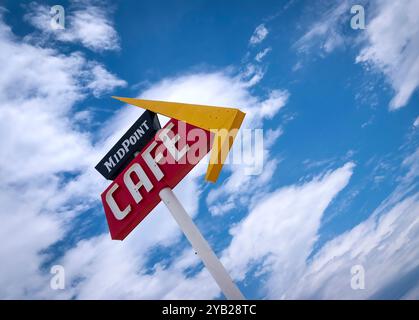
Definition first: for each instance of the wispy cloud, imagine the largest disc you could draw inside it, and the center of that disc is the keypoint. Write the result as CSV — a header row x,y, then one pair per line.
x,y
278,237
391,45
102,81
259,34
325,34
385,246
86,23
260,55
281,228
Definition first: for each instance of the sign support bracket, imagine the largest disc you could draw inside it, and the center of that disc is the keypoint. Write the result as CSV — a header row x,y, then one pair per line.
x,y
200,245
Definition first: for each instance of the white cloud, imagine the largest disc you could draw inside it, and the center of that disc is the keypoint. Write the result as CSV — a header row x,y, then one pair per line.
x,y
260,55
240,188
39,88
385,245
87,23
123,264
278,237
416,123
26,229
276,100
389,43
392,45
210,91
248,181
103,81
297,66
281,229
258,35
251,75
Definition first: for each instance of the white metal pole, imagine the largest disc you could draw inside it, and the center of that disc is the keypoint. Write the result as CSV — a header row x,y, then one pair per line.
x,y
201,246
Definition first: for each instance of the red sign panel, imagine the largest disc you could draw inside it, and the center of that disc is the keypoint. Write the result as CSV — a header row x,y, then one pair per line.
x,y
163,162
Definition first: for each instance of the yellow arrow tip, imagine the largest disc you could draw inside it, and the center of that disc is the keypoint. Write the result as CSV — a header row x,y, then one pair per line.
x,y
210,118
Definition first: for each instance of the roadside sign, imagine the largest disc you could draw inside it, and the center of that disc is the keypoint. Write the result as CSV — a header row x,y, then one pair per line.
x,y
134,140
162,163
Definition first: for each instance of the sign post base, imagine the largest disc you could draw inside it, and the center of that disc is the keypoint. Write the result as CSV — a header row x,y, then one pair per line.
x,y
200,245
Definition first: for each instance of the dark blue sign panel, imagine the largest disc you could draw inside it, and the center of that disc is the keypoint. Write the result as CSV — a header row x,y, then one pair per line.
x,y
134,140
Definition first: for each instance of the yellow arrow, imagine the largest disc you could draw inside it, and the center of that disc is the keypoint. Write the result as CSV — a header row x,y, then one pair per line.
x,y
224,122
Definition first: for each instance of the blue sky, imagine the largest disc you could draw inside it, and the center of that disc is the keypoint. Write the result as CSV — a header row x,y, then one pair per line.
x,y
339,112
